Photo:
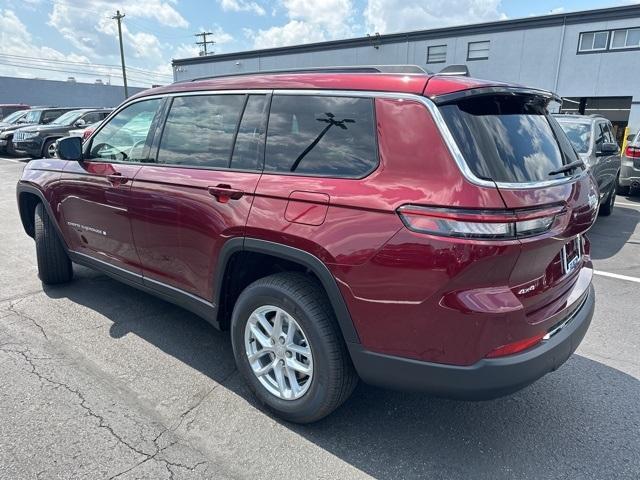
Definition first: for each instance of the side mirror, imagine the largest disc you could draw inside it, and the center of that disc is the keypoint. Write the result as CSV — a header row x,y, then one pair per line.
x,y
609,148
69,148
79,123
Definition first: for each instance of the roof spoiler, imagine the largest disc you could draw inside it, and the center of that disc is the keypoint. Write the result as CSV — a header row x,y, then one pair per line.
x,y
459,70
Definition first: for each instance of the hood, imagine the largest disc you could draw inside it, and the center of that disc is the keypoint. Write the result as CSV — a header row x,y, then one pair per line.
x,y
11,128
46,128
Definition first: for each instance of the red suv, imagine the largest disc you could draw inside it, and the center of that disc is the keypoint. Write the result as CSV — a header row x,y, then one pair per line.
x,y
415,231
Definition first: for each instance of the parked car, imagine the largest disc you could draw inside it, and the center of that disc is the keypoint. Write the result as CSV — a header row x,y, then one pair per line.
x,y
630,171
84,132
40,140
416,231
13,118
7,109
592,137
35,116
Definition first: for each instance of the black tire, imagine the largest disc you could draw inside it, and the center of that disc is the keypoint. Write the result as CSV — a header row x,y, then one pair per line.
x,y
10,149
620,190
606,208
54,265
45,149
334,377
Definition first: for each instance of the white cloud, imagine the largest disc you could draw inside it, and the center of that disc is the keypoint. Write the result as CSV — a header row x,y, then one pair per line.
x,y
242,6
387,16
308,22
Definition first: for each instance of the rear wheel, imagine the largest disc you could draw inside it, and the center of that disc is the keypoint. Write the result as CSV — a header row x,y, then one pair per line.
x,y
288,347
54,265
606,208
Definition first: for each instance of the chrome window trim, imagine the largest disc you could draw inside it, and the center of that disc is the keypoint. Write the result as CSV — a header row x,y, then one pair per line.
x,y
425,101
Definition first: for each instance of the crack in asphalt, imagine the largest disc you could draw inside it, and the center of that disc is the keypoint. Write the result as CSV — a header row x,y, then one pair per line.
x,y
12,309
102,423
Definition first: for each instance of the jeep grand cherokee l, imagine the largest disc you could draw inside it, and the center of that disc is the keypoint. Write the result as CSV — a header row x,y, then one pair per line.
x,y
415,231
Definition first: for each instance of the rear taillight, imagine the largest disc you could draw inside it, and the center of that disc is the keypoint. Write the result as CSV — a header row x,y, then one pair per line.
x,y
87,133
515,347
478,224
632,152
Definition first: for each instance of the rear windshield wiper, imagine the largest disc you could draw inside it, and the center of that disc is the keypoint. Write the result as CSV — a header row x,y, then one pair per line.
x,y
567,168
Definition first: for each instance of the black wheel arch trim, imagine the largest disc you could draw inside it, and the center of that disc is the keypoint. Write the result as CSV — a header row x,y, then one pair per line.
x,y
27,223
301,257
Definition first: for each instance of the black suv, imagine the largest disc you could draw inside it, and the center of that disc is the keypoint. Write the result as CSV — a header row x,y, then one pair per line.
x,y
35,116
40,140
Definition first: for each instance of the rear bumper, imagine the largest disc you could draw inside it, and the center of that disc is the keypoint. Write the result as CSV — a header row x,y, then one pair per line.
x,y
486,379
629,176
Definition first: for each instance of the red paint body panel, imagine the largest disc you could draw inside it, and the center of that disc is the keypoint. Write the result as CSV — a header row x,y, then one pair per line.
x,y
179,227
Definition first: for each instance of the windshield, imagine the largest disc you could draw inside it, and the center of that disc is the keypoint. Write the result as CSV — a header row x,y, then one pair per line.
x,y
14,116
579,135
67,118
509,138
33,116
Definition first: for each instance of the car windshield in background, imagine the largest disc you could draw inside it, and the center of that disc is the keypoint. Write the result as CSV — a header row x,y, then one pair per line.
x,y
509,138
33,116
14,116
579,134
67,118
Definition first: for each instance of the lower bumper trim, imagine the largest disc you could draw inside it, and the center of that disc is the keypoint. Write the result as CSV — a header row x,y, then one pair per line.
x,y
486,379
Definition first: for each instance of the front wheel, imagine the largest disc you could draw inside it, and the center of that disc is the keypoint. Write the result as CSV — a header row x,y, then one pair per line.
x,y
288,347
54,265
49,149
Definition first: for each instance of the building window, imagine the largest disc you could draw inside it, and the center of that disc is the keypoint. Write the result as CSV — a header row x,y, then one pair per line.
x,y
437,54
478,50
627,38
593,41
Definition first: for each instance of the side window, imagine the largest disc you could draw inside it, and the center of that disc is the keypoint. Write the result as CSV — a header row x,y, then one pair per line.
x,y
123,139
92,117
199,130
600,136
319,135
247,152
609,137
50,115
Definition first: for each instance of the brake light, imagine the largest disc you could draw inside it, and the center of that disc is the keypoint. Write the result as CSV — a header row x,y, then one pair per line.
x,y
632,152
515,347
478,224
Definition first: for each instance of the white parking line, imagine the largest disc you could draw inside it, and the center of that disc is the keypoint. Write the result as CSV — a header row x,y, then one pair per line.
x,y
616,275
12,160
637,205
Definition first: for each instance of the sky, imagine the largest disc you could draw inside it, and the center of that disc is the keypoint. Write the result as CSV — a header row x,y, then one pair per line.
x,y
56,39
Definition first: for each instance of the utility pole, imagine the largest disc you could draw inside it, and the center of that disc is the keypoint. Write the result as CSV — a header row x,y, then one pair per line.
x,y
119,18
204,42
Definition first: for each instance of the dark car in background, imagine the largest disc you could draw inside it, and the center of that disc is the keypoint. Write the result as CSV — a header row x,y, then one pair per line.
x,y
593,139
13,118
7,109
35,116
40,140
630,169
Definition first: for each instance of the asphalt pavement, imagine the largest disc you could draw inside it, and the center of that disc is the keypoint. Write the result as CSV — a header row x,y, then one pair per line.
x,y
101,381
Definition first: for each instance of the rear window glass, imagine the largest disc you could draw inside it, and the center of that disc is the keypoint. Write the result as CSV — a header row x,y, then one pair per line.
x,y
509,138
579,134
318,135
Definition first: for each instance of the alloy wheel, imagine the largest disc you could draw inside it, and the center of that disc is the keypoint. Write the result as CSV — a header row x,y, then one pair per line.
x,y
278,352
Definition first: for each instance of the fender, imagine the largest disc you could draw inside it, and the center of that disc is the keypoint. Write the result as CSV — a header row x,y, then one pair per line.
x,y
27,222
300,257
46,139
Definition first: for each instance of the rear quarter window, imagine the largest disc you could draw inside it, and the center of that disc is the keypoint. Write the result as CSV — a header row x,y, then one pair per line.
x,y
321,135
509,138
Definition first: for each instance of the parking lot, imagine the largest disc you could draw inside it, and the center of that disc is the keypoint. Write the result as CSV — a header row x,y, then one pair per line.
x,y
100,381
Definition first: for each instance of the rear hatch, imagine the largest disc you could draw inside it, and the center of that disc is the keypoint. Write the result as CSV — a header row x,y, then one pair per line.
x,y
507,138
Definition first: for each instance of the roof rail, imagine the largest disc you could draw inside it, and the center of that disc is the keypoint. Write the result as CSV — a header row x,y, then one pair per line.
x,y
346,69
461,70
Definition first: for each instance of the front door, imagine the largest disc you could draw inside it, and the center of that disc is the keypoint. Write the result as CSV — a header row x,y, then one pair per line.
x,y
199,189
95,200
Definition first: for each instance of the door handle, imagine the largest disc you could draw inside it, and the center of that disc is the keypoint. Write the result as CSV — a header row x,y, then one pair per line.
x,y
116,179
224,193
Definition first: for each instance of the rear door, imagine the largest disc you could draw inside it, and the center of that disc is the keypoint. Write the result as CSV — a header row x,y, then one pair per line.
x,y
198,191
95,193
512,141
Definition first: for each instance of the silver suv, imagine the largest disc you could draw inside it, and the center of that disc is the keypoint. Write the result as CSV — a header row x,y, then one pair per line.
x,y
630,169
593,139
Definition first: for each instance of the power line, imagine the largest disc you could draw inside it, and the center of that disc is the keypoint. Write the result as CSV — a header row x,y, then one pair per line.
x,y
205,42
